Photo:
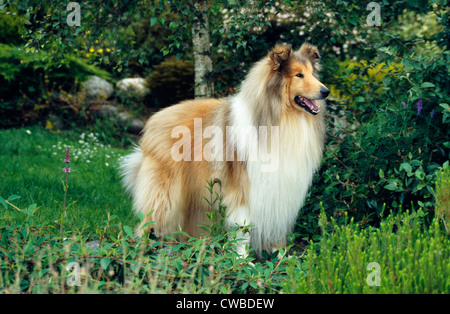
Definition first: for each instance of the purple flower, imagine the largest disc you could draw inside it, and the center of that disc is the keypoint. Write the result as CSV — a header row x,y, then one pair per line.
x,y
419,106
67,156
404,105
67,160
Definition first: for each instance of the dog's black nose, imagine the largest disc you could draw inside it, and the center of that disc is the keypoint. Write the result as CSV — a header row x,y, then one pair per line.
x,y
325,92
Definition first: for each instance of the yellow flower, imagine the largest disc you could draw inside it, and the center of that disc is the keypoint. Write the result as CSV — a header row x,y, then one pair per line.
x,y
100,50
96,41
91,49
108,50
88,32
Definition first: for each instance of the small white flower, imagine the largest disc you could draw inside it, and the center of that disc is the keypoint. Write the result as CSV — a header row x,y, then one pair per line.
x,y
106,164
28,131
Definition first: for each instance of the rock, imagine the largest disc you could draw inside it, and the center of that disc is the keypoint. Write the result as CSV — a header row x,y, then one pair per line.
x,y
106,111
97,87
136,126
136,86
94,245
124,116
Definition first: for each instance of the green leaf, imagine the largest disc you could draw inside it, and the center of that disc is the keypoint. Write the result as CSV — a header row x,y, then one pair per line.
x,y
13,197
104,262
32,207
420,174
128,231
391,187
316,237
427,85
381,173
420,186
153,21
406,166
3,202
135,268
407,63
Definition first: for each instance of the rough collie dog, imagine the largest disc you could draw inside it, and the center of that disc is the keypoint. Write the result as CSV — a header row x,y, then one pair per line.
x,y
263,144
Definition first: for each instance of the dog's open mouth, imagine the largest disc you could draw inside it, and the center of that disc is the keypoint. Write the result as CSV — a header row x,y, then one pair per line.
x,y
307,104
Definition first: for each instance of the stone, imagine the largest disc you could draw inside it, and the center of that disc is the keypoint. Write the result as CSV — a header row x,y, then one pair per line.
x,y
96,87
136,126
106,111
94,245
135,86
124,116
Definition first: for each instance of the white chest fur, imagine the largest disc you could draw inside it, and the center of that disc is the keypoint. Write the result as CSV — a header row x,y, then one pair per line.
x,y
277,193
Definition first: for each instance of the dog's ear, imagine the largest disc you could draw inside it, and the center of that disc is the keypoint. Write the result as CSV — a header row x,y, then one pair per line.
x,y
279,56
312,53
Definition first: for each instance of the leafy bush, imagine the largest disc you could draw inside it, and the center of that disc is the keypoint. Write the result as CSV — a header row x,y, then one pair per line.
x,y
11,27
171,82
34,259
387,141
27,82
409,257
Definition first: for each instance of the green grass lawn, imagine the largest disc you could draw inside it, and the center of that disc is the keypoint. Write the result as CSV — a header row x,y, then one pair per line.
x,y
411,256
31,166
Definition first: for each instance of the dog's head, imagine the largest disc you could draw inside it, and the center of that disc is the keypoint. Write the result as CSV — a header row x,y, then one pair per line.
x,y
298,69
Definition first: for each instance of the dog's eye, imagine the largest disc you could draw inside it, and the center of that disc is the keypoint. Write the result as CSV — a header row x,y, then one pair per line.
x,y
300,75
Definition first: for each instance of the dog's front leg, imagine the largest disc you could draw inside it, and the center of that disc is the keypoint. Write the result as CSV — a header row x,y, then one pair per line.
x,y
240,218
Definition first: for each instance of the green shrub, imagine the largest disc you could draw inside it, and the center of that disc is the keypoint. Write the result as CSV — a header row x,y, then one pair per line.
x,y
11,27
410,258
28,81
395,141
171,82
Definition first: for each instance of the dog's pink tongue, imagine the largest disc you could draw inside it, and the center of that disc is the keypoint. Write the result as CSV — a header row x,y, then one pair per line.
x,y
310,104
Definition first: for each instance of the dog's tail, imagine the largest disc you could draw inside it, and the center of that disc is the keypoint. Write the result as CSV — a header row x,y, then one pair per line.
x,y
129,169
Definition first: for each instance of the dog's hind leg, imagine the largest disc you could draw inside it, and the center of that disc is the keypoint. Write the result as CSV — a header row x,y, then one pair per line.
x,y
156,196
